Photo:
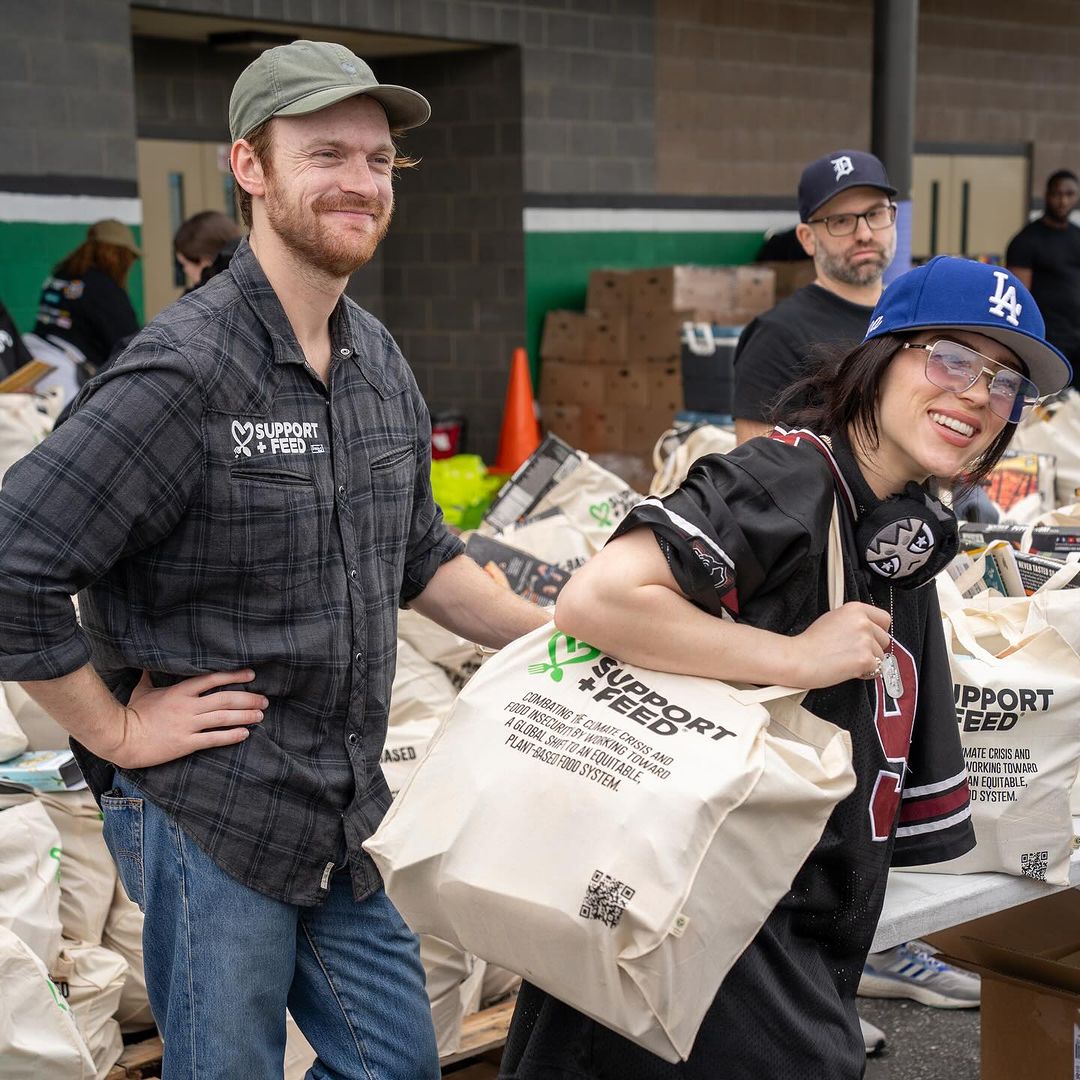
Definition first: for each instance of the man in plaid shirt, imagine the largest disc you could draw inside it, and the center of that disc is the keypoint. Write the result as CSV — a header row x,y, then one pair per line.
x,y
242,501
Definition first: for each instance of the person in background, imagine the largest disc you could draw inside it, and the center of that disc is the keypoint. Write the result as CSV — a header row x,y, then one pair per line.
x,y
200,240
847,225
84,304
1045,256
13,353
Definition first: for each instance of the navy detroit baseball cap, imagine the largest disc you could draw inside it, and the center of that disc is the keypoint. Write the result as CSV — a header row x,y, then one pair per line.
x,y
948,293
836,172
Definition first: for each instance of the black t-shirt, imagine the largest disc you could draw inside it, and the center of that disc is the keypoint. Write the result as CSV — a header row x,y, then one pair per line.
x,y
13,353
787,1007
1053,257
90,312
778,348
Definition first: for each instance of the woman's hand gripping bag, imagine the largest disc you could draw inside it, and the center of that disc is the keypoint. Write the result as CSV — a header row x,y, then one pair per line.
x,y
613,834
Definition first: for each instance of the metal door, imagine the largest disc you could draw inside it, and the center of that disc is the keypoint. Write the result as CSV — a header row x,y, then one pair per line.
x,y
176,179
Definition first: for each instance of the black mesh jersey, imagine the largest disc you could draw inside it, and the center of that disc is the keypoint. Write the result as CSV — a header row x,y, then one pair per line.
x,y
746,534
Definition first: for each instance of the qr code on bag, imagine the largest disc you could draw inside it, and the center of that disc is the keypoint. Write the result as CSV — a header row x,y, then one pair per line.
x,y
605,899
1033,864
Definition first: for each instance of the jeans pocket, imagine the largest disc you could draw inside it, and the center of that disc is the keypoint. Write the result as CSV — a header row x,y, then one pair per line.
x,y
123,830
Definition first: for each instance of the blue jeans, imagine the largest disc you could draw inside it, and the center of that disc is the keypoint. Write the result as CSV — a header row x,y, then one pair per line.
x,y
223,962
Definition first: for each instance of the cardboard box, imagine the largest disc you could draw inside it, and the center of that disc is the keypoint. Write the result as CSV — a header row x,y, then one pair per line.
x,y
564,335
605,341
644,428
654,336
1027,958
697,289
592,337
643,386
562,420
723,294
602,429
610,291
563,383
790,276
754,292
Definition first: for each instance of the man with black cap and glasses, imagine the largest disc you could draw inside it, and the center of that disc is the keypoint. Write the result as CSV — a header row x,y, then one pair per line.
x,y
847,225
242,501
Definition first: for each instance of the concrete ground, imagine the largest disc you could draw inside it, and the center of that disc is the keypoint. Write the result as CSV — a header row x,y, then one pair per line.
x,y
923,1043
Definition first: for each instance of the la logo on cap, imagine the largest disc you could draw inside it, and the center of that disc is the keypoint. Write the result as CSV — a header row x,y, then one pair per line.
x,y
1005,300
842,166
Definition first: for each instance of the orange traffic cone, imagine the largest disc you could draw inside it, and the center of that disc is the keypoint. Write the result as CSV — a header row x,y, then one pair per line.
x,y
520,434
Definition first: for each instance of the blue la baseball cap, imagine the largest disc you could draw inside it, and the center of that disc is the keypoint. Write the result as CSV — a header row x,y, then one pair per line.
x,y
948,293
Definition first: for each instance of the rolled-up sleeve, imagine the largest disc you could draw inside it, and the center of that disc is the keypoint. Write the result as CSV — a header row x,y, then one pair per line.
x,y
109,482
430,542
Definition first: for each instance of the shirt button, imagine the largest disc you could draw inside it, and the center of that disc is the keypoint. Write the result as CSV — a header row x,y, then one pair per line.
x,y
341,489
359,657
344,352
352,738
353,574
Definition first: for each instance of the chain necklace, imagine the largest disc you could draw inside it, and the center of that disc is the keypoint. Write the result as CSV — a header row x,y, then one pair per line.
x,y
890,669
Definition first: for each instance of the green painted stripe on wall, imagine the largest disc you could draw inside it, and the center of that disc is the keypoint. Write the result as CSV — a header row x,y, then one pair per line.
x,y
28,252
557,264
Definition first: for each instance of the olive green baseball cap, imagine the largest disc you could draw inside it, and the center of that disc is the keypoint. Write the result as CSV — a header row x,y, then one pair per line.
x,y
306,76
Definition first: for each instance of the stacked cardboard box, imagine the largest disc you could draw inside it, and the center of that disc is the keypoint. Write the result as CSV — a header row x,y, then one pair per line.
x,y
611,376
791,276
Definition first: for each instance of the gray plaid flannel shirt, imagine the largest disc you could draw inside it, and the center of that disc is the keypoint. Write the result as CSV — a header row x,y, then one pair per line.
x,y
217,507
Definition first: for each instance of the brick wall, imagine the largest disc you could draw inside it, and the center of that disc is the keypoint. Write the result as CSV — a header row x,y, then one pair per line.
x,y
994,72
66,106
746,94
587,73
453,278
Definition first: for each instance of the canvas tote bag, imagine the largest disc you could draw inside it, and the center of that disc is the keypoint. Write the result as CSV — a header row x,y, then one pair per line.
x,y
91,979
677,450
13,739
87,874
38,1034
615,835
592,500
1056,430
30,877
1016,686
123,935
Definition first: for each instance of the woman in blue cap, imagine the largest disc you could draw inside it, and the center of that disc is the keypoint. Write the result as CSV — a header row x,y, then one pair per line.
x,y
728,576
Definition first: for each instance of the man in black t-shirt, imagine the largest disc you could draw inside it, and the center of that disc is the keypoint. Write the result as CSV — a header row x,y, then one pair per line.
x,y
847,225
1045,256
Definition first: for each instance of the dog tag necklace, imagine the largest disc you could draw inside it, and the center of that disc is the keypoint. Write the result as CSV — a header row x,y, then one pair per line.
x,y
890,669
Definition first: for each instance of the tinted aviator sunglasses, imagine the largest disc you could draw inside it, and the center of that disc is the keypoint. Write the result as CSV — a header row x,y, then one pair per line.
x,y
957,368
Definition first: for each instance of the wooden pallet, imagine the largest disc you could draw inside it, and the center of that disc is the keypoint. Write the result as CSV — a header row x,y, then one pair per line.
x,y
137,1057
481,1033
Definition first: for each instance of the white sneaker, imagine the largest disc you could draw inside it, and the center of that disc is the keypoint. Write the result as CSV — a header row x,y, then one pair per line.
x,y
873,1038
912,971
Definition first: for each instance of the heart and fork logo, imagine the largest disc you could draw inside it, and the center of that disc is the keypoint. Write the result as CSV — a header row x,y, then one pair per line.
x,y
242,434
564,650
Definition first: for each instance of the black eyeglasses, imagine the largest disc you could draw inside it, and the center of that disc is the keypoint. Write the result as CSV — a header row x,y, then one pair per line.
x,y
957,368
880,217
